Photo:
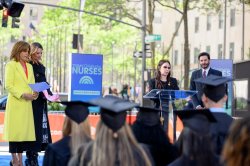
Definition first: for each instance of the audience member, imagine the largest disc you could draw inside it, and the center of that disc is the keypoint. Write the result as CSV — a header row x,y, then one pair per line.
x,y
147,130
236,149
214,98
114,143
76,131
196,149
125,92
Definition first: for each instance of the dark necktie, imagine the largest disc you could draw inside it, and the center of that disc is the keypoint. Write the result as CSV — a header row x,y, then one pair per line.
x,y
204,74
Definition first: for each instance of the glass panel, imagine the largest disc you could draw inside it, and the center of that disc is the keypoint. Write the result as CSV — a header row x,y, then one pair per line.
x,y
241,95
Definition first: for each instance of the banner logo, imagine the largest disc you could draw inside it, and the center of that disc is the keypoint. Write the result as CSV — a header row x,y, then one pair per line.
x,y
86,80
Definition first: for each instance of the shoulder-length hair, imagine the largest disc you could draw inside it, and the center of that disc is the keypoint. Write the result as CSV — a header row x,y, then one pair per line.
x,y
19,47
34,49
107,148
158,73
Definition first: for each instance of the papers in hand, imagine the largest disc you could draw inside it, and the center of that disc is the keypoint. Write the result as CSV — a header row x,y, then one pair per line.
x,y
39,87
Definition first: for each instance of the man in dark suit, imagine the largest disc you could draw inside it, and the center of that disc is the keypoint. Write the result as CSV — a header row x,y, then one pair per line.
x,y
204,60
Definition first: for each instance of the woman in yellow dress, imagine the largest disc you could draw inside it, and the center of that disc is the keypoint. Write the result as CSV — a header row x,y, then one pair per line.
x,y
18,121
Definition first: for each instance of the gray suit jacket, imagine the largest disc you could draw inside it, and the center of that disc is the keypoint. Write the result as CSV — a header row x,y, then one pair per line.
x,y
198,86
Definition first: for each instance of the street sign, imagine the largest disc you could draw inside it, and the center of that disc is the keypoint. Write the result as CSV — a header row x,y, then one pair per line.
x,y
152,38
138,54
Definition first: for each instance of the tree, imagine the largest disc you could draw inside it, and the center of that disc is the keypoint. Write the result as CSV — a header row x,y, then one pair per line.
x,y
183,10
57,27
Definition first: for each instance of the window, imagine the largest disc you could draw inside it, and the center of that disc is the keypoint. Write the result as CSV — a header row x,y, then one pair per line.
x,y
175,57
33,13
231,50
220,51
176,26
221,20
208,49
209,22
196,28
196,53
232,17
157,17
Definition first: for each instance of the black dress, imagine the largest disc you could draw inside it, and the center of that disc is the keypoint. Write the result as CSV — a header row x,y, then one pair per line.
x,y
171,84
166,85
40,112
58,153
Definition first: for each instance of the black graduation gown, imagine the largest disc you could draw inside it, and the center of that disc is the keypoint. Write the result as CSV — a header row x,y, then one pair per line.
x,y
58,153
75,160
219,130
39,105
185,161
161,150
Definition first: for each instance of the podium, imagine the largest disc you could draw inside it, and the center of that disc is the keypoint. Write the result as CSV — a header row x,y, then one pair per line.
x,y
169,97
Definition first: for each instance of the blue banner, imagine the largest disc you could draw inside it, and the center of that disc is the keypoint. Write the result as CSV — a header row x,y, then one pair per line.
x,y
86,76
226,67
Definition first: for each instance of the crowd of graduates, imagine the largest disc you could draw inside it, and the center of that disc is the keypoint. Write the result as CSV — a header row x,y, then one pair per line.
x,y
210,136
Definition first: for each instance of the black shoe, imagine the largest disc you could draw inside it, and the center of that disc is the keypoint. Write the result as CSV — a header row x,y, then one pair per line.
x,y
31,162
31,159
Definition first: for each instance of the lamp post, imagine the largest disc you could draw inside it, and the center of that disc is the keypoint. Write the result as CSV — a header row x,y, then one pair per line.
x,y
143,48
112,69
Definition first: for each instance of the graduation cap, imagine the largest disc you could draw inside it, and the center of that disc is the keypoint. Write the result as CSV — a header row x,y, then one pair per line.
x,y
197,120
77,110
113,110
214,86
148,116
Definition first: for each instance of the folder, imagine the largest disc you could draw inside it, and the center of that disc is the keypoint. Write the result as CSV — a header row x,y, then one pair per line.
x,y
39,87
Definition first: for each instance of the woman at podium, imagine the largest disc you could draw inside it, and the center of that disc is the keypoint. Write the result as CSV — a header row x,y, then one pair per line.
x,y
163,80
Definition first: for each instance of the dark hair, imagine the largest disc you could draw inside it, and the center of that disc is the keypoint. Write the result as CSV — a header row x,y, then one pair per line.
x,y
197,147
162,151
204,54
36,44
158,73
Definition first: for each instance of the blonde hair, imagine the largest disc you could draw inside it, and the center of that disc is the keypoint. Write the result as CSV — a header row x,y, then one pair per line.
x,y
80,134
34,48
19,47
66,130
107,148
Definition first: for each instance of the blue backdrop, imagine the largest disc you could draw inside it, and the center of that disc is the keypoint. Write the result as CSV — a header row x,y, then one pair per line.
x,y
226,67
86,76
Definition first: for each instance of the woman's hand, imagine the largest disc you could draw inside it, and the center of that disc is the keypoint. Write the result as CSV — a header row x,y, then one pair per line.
x,y
28,96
